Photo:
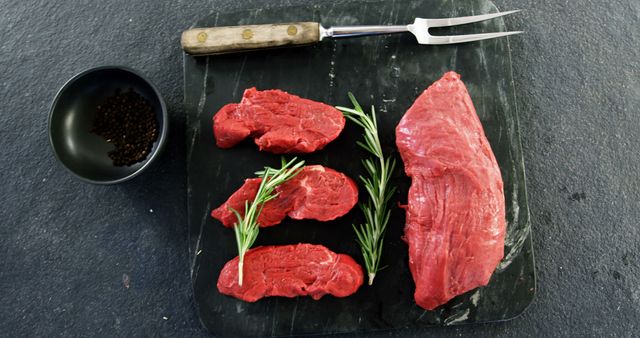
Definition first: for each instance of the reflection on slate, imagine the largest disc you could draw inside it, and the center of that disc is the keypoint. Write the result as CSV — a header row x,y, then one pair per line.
x,y
389,72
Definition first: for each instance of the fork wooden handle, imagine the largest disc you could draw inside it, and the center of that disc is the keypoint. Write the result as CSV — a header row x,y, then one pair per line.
x,y
230,39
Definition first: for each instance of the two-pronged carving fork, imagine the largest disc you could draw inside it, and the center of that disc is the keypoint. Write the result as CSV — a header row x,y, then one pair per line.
x,y
231,39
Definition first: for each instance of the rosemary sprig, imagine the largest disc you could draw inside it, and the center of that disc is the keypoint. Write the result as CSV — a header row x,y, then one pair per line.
x,y
247,226
370,235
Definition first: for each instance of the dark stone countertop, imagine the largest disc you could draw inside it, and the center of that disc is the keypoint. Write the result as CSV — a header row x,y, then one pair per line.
x,y
69,248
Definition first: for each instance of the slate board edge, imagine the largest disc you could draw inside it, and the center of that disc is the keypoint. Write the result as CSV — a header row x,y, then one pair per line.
x,y
529,239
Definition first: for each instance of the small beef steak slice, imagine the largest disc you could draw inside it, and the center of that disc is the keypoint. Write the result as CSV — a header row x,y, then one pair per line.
x,y
455,218
280,122
290,271
316,192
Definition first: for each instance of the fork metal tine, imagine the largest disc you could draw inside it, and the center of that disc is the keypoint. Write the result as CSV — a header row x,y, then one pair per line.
x,y
449,39
445,22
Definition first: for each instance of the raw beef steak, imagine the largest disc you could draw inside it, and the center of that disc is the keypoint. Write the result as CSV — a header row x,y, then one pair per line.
x,y
455,224
280,122
317,192
290,271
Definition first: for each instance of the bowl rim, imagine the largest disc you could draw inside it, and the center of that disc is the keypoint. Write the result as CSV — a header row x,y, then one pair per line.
x,y
163,132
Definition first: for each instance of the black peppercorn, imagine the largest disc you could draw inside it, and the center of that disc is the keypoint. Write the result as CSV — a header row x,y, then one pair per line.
x,y
126,120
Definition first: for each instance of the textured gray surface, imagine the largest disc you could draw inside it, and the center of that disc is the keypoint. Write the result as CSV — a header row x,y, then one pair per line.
x,y
69,249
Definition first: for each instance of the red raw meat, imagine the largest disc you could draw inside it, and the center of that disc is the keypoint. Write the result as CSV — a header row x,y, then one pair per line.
x,y
456,213
316,192
290,271
280,122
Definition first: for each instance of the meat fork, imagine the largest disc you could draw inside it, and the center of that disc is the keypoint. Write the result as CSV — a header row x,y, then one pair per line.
x,y
231,39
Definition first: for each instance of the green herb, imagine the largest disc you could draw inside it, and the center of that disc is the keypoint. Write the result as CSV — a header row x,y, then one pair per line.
x,y
247,227
370,235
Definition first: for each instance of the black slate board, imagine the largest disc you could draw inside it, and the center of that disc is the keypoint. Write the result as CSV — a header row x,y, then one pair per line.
x,y
389,72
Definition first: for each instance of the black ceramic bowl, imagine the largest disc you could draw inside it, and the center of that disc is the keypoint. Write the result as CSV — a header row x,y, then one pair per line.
x,y
72,115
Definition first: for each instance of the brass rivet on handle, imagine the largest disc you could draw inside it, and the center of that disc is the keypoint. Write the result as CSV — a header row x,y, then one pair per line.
x,y
202,37
292,30
247,34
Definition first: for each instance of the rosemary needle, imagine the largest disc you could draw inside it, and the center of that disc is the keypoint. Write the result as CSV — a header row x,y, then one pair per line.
x,y
370,235
247,226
